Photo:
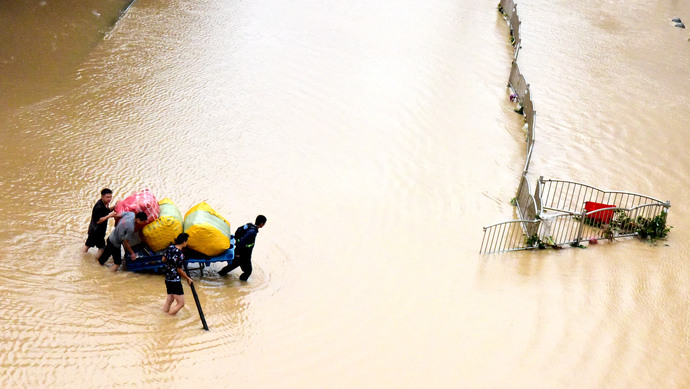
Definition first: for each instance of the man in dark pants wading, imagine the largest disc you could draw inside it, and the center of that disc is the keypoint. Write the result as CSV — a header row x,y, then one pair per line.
x,y
245,237
102,211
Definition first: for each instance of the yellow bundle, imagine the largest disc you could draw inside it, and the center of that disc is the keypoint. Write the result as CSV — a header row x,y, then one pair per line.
x,y
162,232
209,232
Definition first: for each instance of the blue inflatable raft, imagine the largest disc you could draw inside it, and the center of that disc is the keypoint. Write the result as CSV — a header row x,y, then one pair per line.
x,y
148,261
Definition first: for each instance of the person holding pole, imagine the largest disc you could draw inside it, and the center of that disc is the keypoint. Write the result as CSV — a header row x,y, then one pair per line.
x,y
174,272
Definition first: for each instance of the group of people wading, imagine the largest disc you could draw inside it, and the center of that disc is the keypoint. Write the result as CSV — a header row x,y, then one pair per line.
x,y
173,256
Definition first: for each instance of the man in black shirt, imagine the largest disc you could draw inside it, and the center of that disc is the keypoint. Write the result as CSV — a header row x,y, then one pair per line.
x,y
245,237
99,222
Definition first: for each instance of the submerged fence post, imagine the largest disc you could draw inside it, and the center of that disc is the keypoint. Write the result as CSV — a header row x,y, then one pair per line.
x,y
537,196
582,227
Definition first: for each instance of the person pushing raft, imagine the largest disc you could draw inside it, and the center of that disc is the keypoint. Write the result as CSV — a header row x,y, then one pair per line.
x,y
245,238
121,236
102,211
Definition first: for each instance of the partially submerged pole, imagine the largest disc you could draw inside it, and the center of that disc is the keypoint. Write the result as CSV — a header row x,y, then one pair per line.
x,y
198,306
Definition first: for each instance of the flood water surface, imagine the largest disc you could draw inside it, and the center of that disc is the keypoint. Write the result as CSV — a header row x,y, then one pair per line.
x,y
378,139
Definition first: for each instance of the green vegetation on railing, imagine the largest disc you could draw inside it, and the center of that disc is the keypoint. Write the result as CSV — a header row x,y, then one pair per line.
x,y
535,241
653,228
646,228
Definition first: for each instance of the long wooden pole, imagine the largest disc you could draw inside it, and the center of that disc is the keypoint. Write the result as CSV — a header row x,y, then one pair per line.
x,y
198,306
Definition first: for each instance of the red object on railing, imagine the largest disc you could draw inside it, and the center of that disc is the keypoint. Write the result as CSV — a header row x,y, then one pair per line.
x,y
603,216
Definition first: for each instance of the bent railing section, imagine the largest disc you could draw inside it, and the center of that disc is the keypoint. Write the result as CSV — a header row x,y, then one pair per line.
x,y
569,196
526,205
607,223
506,236
560,216
623,222
530,116
569,228
517,82
515,31
520,87
509,9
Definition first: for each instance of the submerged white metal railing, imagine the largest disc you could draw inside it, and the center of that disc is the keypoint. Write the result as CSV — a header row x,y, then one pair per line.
x,y
568,196
561,212
562,216
506,236
509,9
623,222
525,202
564,228
520,88
517,82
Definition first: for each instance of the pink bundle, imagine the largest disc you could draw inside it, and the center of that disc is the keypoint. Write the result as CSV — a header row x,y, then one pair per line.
x,y
142,201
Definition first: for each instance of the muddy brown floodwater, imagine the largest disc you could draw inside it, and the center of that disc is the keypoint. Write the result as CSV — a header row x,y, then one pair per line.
x,y
378,139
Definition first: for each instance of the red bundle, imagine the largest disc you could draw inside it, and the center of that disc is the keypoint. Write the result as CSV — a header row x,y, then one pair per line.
x,y
142,201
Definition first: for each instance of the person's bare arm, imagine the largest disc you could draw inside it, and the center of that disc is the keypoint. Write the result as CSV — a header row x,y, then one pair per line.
x,y
184,275
132,254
